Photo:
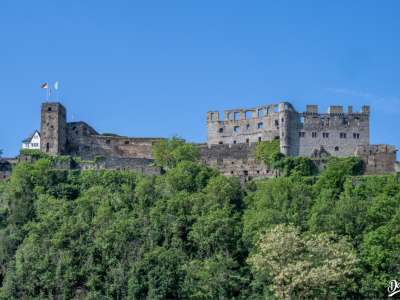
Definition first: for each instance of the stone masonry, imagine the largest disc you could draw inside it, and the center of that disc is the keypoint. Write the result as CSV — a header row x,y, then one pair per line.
x,y
300,133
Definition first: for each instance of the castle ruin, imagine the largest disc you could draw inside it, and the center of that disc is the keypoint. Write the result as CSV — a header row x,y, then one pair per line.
x,y
230,142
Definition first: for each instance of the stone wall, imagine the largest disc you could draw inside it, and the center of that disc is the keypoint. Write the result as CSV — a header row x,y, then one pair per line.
x,y
339,133
139,165
378,159
234,160
88,147
241,126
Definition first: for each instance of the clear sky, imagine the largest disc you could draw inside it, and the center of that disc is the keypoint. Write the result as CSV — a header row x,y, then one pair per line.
x,y
154,68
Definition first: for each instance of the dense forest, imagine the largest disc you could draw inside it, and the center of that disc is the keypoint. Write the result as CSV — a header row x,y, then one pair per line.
x,y
192,233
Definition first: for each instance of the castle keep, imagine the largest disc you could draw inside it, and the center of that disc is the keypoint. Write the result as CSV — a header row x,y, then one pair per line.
x,y
230,143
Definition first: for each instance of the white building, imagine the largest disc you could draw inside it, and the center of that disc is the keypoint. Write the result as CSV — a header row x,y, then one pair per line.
x,y
32,142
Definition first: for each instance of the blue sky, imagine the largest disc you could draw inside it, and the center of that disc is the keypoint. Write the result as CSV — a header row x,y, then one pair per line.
x,y
154,68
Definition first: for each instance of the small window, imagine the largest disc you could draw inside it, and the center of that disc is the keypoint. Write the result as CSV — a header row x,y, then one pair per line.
x,y
356,135
261,113
258,171
246,173
108,142
74,128
247,126
260,125
314,134
47,147
236,116
336,148
126,142
248,115
220,130
247,141
49,109
234,142
302,134
276,123
212,117
343,135
259,138
325,135
236,129
220,142
231,172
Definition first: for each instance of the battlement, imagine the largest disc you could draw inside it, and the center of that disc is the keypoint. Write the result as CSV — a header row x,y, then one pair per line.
x,y
336,109
240,114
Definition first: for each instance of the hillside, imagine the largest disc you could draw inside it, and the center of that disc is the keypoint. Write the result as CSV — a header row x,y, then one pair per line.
x,y
192,233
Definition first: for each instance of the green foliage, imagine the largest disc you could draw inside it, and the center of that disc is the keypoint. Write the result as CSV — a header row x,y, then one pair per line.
x,y
297,166
35,154
269,152
189,233
168,153
282,200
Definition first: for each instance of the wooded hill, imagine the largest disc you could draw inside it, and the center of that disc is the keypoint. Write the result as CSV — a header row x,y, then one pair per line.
x,y
194,234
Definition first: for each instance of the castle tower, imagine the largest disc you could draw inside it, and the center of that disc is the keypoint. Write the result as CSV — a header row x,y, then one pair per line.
x,y
53,128
284,128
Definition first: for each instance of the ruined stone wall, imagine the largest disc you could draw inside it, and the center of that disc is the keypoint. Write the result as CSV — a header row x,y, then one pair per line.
x,y
339,133
240,126
78,134
378,159
139,165
88,147
234,160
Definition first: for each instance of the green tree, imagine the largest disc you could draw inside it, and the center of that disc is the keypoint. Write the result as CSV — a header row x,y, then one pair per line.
x,y
269,152
212,278
380,257
304,266
276,201
167,153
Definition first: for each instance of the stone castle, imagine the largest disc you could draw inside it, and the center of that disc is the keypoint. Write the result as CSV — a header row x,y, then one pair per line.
x,y
231,141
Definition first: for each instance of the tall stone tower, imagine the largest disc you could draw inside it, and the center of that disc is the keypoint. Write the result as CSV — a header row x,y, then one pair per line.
x,y
53,128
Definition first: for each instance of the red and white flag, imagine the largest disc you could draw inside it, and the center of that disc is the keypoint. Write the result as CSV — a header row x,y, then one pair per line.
x,y
45,85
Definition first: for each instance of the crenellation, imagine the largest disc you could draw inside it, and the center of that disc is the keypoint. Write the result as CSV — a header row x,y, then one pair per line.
x,y
335,109
312,109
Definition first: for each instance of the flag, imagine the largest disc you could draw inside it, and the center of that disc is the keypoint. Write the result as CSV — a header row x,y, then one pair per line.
x,y
56,85
44,86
